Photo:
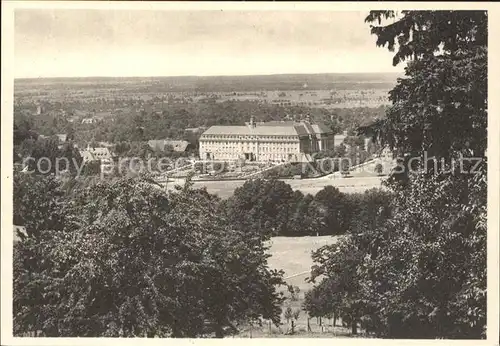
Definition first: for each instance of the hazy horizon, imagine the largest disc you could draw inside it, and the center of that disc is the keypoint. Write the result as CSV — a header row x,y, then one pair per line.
x,y
214,76
65,43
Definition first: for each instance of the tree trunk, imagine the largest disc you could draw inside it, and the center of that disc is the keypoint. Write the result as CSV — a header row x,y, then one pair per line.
x,y
219,333
334,319
354,328
293,327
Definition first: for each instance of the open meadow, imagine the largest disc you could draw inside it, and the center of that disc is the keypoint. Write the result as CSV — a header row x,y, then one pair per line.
x,y
293,256
225,188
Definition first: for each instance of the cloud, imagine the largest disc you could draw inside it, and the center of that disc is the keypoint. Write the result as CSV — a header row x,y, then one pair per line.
x,y
57,42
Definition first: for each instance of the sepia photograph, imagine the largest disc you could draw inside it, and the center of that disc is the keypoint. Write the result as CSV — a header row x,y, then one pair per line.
x,y
235,172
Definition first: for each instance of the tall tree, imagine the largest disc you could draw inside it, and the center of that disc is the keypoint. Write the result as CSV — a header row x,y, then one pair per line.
x,y
262,206
440,105
335,208
420,269
132,260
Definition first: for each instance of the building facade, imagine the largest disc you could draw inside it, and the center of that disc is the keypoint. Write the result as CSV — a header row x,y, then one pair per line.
x,y
102,154
276,141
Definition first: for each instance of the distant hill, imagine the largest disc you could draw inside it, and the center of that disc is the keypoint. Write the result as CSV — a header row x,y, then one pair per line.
x,y
222,83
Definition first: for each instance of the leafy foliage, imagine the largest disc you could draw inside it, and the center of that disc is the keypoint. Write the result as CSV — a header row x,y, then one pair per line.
x,y
38,204
261,207
417,269
130,260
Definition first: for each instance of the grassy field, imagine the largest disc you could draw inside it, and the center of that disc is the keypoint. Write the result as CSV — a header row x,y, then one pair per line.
x,y
225,189
293,255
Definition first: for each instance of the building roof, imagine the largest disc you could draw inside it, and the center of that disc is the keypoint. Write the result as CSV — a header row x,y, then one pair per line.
x,y
308,127
301,130
321,129
195,129
178,145
277,123
100,152
270,128
248,130
19,230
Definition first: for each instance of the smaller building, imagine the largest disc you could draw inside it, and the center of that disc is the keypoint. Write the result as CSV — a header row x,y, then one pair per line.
x,y
178,146
96,153
89,121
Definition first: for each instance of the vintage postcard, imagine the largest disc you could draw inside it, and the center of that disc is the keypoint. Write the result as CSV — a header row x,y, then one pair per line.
x,y
210,170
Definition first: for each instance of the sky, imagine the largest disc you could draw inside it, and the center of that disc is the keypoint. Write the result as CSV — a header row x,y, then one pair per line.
x,y
126,43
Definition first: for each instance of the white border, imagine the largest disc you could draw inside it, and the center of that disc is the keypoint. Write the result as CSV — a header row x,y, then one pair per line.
x,y
6,160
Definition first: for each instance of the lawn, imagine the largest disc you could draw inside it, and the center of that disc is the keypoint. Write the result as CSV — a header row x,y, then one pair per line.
x,y
225,189
293,255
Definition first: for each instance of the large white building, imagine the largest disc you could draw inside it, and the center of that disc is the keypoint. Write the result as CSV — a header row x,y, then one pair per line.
x,y
276,141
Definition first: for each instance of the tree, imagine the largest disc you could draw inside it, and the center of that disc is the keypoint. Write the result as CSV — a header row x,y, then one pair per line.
x,y
301,222
449,51
291,316
262,207
45,156
431,272
354,141
340,150
92,168
132,260
339,290
294,292
379,168
122,148
333,207
169,148
319,302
